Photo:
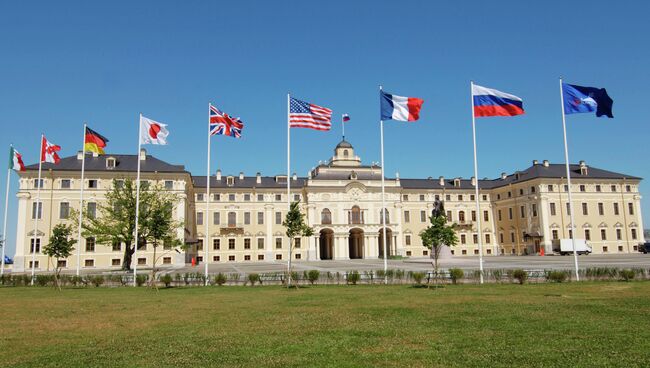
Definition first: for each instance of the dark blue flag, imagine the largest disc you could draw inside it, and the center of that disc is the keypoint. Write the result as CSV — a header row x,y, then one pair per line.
x,y
578,99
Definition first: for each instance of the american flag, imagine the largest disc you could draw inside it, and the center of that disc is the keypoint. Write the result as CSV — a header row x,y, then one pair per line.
x,y
224,124
306,115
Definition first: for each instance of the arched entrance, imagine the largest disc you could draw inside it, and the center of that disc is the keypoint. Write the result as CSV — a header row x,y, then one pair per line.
x,y
355,243
389,236
326,244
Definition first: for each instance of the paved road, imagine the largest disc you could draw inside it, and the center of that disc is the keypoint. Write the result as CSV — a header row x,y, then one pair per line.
x,y
501,262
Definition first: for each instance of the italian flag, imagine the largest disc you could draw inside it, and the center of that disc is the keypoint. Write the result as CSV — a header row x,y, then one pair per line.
x,y
16,160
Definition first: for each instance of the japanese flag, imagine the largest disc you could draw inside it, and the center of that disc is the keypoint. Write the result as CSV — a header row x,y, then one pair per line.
x,y
152,132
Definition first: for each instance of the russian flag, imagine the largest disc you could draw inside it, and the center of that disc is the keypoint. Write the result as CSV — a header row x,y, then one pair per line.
x,y
400,108
491,102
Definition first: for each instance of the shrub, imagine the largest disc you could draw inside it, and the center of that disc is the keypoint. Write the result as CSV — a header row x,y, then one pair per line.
x,y
399,274
418,277
557,276
294,276
330,277
76,280
234,277
141,280
220,279
627,275
370,275
390,274
520,275
116,279
498,274
313,276
253,278
477,275
97,281
353,277
44,280
166,279
381,274
456,274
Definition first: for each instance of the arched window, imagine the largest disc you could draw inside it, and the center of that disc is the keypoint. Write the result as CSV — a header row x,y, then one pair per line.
x,y
232,219
355,215
461,216
387,217
345,153
326,216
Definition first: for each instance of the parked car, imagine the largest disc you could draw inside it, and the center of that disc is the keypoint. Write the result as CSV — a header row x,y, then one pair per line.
x,y
644,248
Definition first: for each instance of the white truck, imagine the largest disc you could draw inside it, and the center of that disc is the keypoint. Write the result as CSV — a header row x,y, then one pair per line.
x,y
566,246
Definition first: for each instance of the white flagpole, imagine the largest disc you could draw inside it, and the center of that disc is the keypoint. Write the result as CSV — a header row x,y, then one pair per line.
x,y
568,177
4,226
343,127
478,209
207,206
37,209
134,259
289,179
383,194
81,199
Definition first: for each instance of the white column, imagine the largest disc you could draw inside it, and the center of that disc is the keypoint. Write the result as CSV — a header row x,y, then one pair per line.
x,y
544,224
268,220
639,218
399,244
372,246
341,247
22,242
179,258
314,253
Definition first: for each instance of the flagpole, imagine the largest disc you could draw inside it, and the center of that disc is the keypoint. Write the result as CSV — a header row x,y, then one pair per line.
x,y
289,180
4,225
81,199
207,206
568,177
478,209
137,205
38,207
383,194
342,127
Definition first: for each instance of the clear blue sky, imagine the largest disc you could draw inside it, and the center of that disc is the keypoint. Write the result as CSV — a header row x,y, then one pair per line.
x,y
104,62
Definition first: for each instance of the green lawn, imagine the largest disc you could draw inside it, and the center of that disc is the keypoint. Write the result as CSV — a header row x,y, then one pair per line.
x,y
544,325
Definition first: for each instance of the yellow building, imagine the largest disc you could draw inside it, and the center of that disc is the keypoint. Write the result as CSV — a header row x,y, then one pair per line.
x,y
520,213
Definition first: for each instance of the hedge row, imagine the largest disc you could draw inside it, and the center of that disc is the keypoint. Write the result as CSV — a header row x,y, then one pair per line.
x,y
313,277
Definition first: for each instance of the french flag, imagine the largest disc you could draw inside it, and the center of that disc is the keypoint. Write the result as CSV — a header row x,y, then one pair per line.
x,y
491,102
400,108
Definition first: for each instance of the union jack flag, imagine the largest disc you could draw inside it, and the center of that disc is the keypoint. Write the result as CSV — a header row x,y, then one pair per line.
x,y
307,115
224,124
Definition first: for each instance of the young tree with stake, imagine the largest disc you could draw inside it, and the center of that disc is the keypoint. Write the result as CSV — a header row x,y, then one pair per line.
x,y
296,226
437,235
60,247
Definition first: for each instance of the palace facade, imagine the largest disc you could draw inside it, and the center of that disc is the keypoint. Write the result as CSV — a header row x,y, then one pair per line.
x,y
521,213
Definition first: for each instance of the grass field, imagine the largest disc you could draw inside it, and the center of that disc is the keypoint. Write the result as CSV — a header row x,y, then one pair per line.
x,y
599,324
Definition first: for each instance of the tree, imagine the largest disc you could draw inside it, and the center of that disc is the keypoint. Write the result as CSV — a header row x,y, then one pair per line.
x,y
60,247
115,220
437,235
159,227
296,226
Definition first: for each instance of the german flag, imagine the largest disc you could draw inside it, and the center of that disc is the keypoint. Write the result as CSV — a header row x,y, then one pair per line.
x,y
95,142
